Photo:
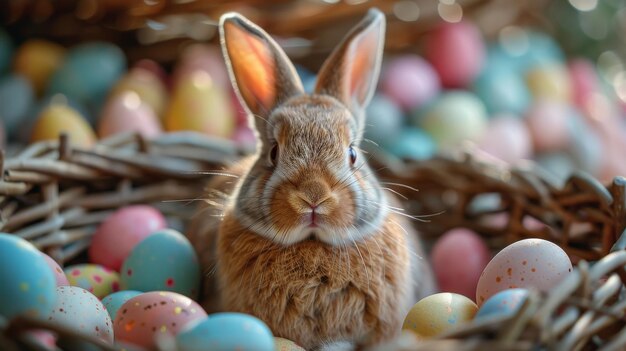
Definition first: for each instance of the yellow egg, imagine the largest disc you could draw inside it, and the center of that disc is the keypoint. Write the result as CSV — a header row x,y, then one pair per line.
x,y
37,60
56,119
550,82
438,313
286,345
198,104
148,86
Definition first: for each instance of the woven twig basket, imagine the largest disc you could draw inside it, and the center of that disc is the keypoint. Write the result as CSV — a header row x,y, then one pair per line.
x,y
54,195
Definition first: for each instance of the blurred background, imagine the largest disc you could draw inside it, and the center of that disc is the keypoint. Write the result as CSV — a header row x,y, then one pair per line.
x,y
509,81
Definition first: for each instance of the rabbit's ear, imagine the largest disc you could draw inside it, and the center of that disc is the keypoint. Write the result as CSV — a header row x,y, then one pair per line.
x,y
351,72
259,69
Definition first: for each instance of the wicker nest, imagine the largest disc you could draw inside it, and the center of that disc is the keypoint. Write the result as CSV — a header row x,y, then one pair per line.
x,y
54,195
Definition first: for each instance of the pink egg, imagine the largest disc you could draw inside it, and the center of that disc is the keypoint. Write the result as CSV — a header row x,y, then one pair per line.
x,y
508,139
145,317
547,122
44,338
152,67
127,113
457,52
410,81
121,231
201,57
59,275
244,137
584,81
458,259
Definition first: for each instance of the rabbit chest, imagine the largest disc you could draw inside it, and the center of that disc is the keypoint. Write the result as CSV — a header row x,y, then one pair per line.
x,y
313,293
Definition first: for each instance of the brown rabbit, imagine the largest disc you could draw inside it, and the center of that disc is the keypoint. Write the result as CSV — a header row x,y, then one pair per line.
x,y
309,241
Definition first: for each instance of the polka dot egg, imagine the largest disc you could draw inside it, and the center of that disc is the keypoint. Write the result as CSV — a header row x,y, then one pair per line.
x,y
94,278
144,317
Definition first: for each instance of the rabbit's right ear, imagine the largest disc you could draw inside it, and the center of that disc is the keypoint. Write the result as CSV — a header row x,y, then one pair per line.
x,y
262,74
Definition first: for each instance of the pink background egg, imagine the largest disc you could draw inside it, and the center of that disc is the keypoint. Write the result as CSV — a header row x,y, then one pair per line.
x,y
204,58
410,81
44,338
547,122
458,258
507,138
457,52
584,81
125,113
142,318
120,232
58,272
152,67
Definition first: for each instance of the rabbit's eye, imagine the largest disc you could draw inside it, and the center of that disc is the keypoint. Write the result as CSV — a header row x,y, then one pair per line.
x,y
352,154
274,154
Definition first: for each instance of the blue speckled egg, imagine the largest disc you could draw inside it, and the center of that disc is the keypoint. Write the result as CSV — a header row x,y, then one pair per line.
x,y
502,90
504,303
412,144
164,261
227,332
28,283
384,120
16,97
89,72
6,51
114,301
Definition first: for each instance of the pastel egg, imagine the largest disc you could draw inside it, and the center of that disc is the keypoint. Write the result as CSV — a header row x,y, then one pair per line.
x,y
148,87
199,104
507,137
28,284
6,50
438,313
154,68
16,97
528,263
586,145
45,339
80,310
541,49
502,89
282,344
410,81
205,58
59,275
412,144
245,138
550,82
144,317
548,125
227,331
524,49
455,117
114,301
126,112
584,80
457,52
384,120
164,261
37,60
505,303
119,233
559,165
458,258
56,119
94,278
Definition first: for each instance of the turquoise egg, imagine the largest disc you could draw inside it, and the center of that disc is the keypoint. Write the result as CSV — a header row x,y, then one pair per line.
x,y
227,332
16,97
504,303
89,72
163,261
384,120
412,144
586,146
502,89
6,51
28,283
114,301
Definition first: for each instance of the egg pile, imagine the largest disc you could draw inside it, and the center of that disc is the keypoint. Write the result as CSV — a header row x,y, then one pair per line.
x,y
477,287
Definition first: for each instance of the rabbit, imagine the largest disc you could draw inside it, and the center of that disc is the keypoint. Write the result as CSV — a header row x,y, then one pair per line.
x,y
307,240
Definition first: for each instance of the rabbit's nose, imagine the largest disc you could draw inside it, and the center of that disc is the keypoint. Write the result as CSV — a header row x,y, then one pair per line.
x,y
314,192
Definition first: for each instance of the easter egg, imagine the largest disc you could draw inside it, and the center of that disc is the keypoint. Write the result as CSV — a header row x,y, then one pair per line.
x,y
199,104
507,137
126,112
163,261
6,51
457,52
458,258
541,49
586,146
59,275
551,82
154,68
37,60
89,72
528,263
44,339
94,278
144,317
410,81
27,281
119,233
16,97
148,87
286,345
227,331
455,117
523,49
114,301
204,58
547,122
505,303
584,81
438,313
384,120
78,309
56,119
412,144
245,138
502,90
559,165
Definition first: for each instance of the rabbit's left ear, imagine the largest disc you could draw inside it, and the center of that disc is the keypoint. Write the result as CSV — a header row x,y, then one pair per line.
x,y
351,73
